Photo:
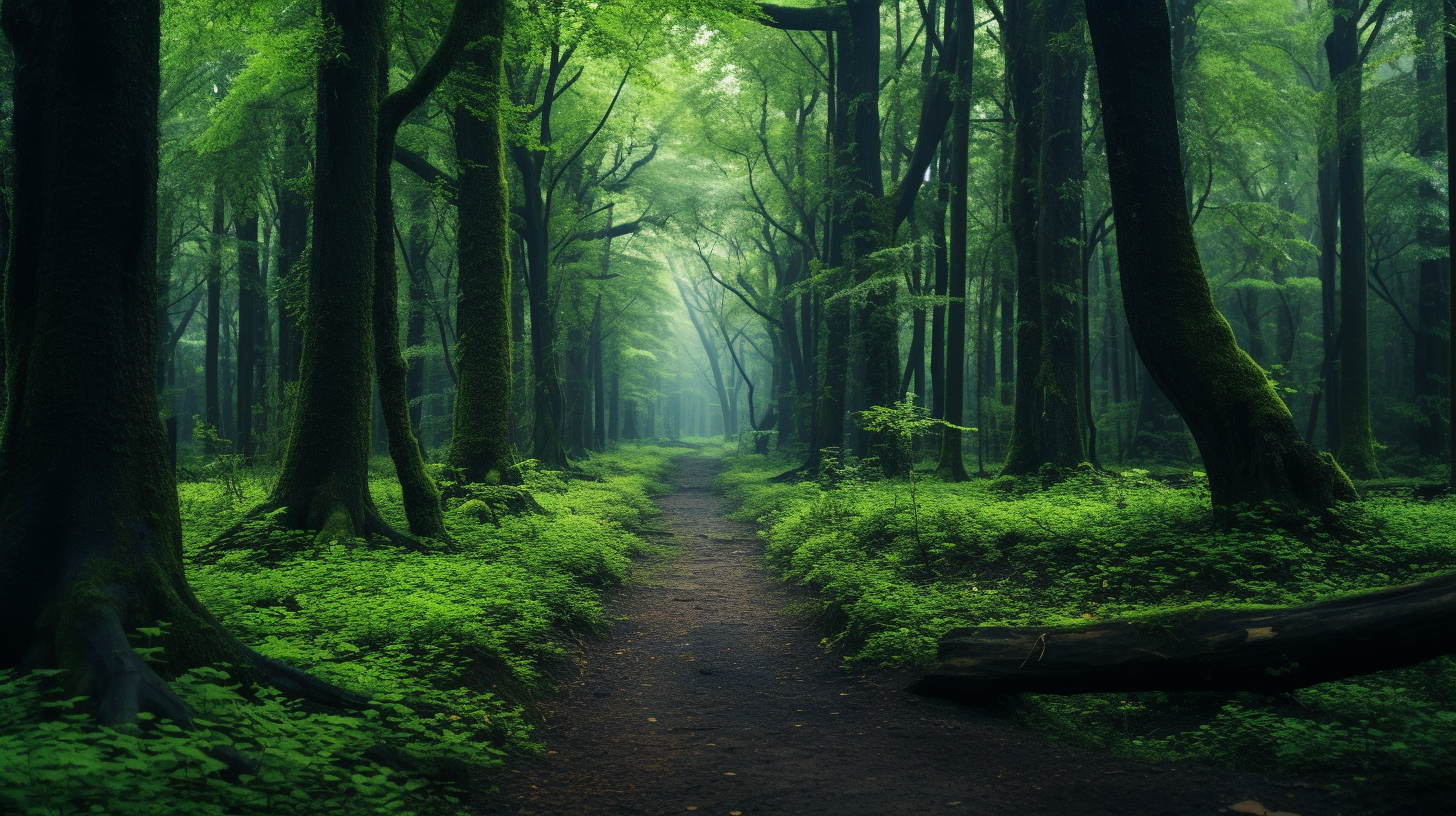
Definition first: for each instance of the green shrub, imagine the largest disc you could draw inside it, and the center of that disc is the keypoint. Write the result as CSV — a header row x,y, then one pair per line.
x,y
448,644
892,577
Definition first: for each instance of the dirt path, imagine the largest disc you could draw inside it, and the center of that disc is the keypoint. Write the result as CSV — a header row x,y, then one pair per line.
x,y
710,697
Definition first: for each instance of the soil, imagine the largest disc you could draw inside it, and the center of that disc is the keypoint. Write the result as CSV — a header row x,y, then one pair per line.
x,y
713,695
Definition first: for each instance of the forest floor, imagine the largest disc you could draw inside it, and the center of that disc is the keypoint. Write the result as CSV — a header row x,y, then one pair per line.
x,y
712,694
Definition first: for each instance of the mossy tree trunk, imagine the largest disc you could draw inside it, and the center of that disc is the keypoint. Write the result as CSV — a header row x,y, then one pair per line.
x,y
1450,42
480,446
1049,59
324,483
1431,365
1357,440
211,386
863,216
1059,233
1024,35
952,465
1251,449
251,296
421,496
90,533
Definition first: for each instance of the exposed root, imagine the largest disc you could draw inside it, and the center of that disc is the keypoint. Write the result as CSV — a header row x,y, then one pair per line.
x,y
119,680
303,686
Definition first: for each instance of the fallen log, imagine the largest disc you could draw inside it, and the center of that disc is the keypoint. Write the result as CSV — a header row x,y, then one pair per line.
x,y
1262,649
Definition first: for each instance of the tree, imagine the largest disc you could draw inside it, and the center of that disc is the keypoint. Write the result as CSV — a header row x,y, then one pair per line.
x,y
324,483
1347,64
481,443
91,538
951,466
421,497
1251,449
1051,429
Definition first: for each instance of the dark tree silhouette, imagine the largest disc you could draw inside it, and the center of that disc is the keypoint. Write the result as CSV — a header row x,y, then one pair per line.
x,y
91,538
1250,447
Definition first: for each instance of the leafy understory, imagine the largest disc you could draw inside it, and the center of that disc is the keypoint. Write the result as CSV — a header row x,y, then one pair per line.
x,y
896,563
451,645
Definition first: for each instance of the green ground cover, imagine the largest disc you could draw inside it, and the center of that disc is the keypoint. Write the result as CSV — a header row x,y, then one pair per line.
x,y
450,644
894,564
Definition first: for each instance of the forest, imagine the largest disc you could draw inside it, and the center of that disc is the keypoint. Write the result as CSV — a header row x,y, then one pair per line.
x,y
722,406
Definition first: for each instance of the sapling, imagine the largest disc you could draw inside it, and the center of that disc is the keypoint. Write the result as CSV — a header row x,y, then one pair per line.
x,y
900,424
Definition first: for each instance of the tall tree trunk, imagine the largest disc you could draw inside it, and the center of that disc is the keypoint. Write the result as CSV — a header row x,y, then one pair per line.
x,y
614,401
1024,44
481,443
1357,441
212,406
629,424
599,381
250,300
1431,310
416,258
942,284
574,375
324,482
1058,237
951,466
1450,43
421,496
1251,449
549,409
92,544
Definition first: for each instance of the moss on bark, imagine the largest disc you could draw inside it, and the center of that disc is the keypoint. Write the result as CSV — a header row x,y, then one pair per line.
x,y
1250,447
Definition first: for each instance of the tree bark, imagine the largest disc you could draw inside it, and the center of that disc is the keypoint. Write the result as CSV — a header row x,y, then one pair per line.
x,y
250,299
212,405
952,466
1357,441
1430,351
416,258
481,443
1268,650
1450,43
324,482
1024,41
292,239
90,533
1251,449
421,496
1062,428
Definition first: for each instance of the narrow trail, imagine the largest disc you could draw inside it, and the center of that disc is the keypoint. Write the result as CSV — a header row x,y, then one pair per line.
x,y
711,696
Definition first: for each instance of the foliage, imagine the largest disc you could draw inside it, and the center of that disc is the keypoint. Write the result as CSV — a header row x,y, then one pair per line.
x,y
1094,545
450,646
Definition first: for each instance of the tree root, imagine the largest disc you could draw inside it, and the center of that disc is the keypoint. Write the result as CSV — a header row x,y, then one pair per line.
x,y
301,685
256,525
118,679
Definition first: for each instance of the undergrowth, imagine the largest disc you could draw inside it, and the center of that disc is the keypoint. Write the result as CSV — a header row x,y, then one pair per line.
x,y
895,564
451,645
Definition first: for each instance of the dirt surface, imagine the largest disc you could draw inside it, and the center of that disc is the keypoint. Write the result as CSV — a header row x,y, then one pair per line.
x,y
712,696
